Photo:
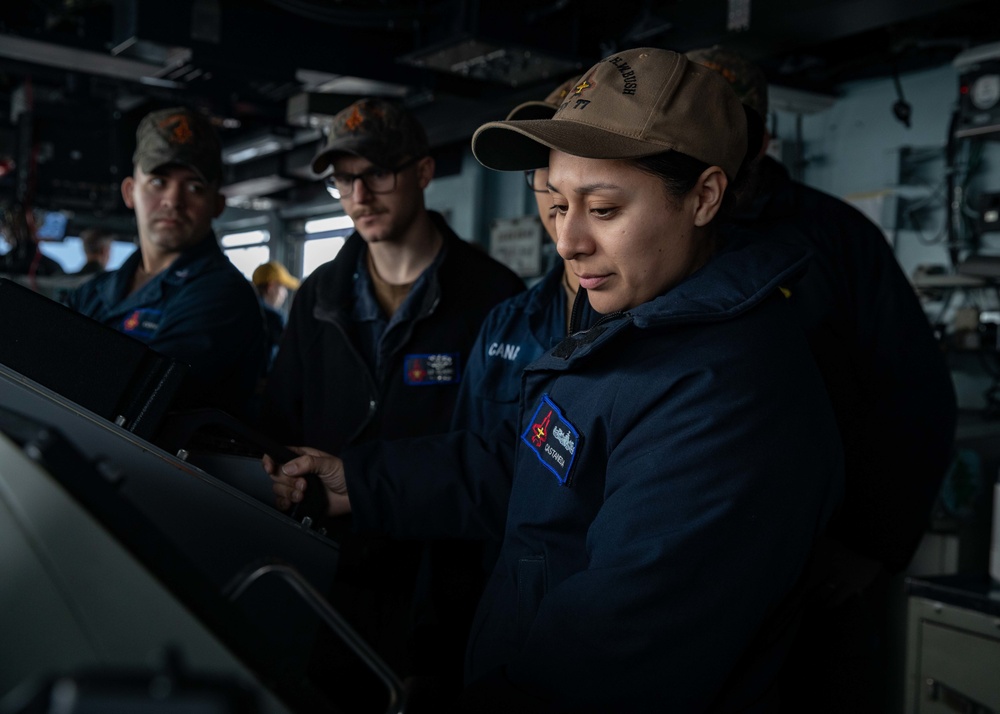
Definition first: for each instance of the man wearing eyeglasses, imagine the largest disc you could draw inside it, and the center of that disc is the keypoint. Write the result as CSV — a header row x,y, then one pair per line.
x,y
375,347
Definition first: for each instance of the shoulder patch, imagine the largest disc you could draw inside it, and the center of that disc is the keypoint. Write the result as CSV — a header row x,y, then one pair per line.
x,y
553,439
431,369
143,322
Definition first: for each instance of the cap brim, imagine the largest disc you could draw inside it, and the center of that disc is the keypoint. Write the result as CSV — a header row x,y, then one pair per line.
x,y
360,146
151,166
531,110
524,145
324,159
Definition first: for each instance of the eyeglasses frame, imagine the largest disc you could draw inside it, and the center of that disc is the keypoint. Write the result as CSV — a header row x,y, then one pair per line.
x,y
331,183
529,176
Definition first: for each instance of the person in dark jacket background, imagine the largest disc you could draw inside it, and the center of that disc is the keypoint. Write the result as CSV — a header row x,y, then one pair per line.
x,y
522,328
96,249
672,466
375,347
895,404
24,255
179,293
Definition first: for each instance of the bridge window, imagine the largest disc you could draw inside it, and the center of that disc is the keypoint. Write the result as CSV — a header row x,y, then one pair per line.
x,y
247,250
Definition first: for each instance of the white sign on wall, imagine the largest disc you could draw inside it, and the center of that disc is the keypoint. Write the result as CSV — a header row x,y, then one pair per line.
x,y
517,243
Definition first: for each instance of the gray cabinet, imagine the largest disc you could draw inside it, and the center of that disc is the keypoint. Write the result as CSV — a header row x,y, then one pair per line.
x,y
953,646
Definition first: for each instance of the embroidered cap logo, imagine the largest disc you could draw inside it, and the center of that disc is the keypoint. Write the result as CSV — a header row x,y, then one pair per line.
x,y
179,129
355,120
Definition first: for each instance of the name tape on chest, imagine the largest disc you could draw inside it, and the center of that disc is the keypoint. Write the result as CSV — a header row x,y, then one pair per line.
x,y
553,439
505,351
433,369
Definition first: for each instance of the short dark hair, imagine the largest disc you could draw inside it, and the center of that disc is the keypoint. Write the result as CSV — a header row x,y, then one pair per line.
x,y
679,172
95,239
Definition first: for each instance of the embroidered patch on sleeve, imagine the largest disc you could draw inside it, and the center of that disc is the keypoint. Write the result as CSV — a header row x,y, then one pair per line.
x,y
142,323
553,439
437,369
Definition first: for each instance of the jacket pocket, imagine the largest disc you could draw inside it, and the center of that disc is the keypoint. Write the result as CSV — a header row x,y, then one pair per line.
x,y
530,590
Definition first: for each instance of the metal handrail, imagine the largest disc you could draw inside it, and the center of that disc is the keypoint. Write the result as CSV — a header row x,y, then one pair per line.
x,y
340,627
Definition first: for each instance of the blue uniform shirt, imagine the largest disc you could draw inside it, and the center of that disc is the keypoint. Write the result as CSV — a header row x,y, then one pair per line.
x,y
515,333
379,337
201,311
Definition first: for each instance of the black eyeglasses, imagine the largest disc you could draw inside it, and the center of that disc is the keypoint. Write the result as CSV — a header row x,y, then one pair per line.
x,y
537,175
376,179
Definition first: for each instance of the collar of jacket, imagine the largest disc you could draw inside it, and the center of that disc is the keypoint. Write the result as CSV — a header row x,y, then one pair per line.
x,y
335,284
186,265
747,270
547,302
550,288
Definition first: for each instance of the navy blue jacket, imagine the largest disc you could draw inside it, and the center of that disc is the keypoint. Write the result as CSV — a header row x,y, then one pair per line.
x,y
515,333
321,391
201,310
673,467
888,378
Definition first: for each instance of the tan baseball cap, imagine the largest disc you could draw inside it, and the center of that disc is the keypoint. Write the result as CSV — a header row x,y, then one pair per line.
x,y
544,109
274,272
632,104
178,136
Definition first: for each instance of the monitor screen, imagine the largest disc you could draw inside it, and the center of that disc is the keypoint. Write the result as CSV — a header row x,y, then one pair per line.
x,y
51,225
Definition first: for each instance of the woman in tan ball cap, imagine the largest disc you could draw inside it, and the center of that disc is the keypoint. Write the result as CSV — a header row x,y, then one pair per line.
x,y
672,464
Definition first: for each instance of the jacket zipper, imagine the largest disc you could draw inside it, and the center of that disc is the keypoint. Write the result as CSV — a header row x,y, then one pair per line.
x,y
373,395
577,312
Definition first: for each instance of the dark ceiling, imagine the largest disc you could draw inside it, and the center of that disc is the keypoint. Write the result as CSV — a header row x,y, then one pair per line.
x,y
77,75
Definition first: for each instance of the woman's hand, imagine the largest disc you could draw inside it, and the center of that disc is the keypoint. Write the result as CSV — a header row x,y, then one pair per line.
x,y
289,483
